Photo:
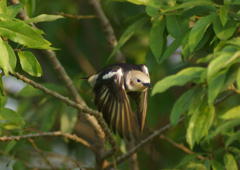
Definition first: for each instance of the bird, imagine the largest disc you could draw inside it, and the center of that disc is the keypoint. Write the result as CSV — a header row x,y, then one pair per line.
x,y
121,92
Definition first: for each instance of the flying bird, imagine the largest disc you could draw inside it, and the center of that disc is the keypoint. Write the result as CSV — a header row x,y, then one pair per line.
x,y
121,95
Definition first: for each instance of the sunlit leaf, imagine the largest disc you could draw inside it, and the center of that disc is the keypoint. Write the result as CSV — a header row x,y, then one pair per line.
x,y
139,2
157,40
44,18
198,31
127,34
233,113
199,124
230,162
224,60
179,79
196,166
29,63
223,14
13,10
10,120
20,32
226,31
215,85
7,57
3,6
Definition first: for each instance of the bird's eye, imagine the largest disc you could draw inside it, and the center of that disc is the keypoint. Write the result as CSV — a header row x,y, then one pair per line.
x,y
138,80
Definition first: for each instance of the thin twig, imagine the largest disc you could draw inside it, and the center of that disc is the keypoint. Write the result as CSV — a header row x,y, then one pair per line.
x,y
141,143
40,152
76,16
108,29
182,147
42,134
81,108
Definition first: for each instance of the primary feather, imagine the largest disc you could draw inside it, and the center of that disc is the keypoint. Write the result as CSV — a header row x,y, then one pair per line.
x,y
113,88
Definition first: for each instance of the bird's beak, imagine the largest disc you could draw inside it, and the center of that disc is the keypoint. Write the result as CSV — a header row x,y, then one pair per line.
x,y
147,85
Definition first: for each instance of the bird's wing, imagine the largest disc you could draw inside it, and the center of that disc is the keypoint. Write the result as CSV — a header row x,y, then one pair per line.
x,y
112,100
140,99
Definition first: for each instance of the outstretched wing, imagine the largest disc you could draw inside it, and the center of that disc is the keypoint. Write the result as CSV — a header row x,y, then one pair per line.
x,y
140,98
112,100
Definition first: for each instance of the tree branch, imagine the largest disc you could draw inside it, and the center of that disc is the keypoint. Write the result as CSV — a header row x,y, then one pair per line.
x,y
108,29
43,134
76,16
181,147
83,109
154,134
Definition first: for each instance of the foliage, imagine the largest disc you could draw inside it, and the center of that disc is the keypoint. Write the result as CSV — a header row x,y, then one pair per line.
x,y
191,47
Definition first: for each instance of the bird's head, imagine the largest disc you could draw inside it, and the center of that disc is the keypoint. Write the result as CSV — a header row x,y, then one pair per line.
x,y
137,81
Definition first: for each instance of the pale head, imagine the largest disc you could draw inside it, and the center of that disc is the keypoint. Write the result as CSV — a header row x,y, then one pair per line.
x,y
137,80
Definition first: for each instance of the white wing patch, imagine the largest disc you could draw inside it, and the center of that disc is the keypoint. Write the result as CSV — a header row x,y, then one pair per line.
x,y
145,69
113,73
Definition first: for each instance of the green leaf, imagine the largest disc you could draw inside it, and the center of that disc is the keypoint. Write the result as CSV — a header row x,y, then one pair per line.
x,y
232,138
128,33
233,113
10,146
215,85
238,79
3,6
179,79
230,162
68,119
196,166
182,105
29,63
189,4
20,32
3,101
198,31
157,39
175,26
226,126
10,120
223,14
13,10
44,18
7,57
199,124
152,12
216,165
2,93
222,61
139,2
226,31
29,91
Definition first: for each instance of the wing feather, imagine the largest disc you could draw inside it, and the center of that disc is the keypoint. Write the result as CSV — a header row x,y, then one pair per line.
x,y
112,100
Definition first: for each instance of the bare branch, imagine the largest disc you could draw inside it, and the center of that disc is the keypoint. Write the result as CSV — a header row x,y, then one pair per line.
x,y
76,16
154,134
43,134
181,147
83,109
108,29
